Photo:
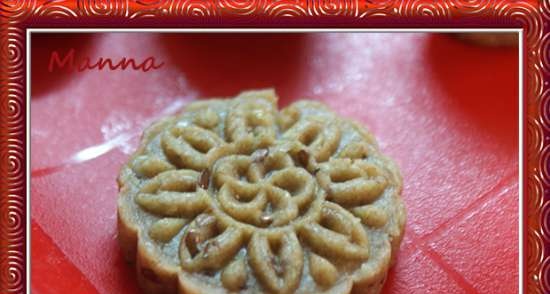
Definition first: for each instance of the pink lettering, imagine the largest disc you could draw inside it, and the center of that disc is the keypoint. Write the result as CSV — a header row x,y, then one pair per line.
x,y
101,63
69,59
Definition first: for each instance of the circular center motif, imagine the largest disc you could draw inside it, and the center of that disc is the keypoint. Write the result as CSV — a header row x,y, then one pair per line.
x,y
265,189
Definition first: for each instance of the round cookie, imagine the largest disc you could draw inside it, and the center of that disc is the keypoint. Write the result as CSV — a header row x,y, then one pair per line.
x,y
234,196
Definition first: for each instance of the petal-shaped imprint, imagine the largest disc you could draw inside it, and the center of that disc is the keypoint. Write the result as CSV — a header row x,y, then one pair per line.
x,y
166,228
349,183
234,169
279,271
355,150
173,193
297,182
288,117
321,138
173,203
339,234
189,146
253,121
281,209
357,191
150,165
212,254
275,160
242,206
203,228
206,118
175,181
234,276
371,215
341,170
323,272
370,169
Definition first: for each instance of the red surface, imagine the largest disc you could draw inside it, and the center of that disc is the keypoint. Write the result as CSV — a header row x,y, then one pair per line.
x,y
54,272
444,110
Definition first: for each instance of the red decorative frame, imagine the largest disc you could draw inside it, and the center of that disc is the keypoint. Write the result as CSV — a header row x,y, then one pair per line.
x,y
18,15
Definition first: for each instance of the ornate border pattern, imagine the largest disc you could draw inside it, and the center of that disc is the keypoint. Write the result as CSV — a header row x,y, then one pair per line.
x,y
17,15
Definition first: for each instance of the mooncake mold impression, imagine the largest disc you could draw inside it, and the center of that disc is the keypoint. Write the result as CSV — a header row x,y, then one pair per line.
x,y
234,196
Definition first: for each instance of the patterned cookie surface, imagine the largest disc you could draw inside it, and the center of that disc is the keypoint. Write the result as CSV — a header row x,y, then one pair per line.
x,y
232,195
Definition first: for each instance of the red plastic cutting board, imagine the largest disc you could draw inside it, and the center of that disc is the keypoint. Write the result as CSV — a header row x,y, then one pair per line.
x,y
446,111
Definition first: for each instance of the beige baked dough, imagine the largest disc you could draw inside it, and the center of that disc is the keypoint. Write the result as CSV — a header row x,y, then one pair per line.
x,y
233,196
